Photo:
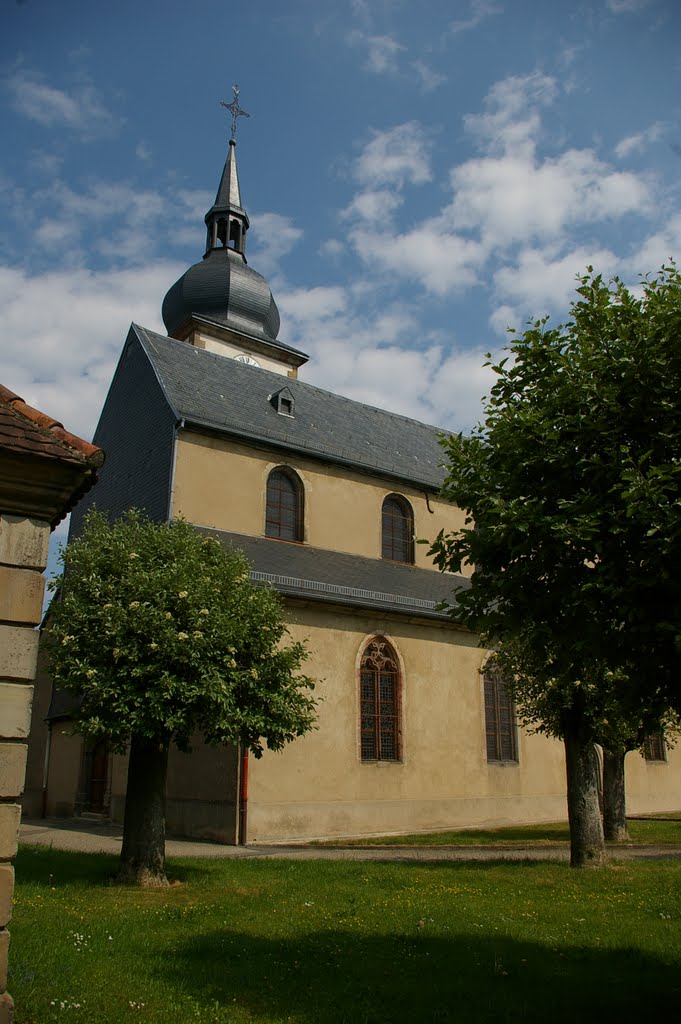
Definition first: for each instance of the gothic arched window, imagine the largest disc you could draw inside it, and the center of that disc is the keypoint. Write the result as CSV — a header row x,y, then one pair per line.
x,y
379,681
397,527
284,505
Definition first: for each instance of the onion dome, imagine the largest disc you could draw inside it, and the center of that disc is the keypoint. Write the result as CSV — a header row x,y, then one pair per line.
x,y
222,287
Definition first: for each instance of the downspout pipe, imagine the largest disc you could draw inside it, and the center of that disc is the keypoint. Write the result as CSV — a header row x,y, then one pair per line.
x,y
46,772
179,425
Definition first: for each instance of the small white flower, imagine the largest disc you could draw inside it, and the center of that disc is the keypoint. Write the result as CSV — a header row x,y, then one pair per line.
x,y
183,593
133,554
183,636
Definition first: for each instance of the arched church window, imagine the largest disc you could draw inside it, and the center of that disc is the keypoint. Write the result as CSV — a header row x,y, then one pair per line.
x,y
379,681
284,505
397,523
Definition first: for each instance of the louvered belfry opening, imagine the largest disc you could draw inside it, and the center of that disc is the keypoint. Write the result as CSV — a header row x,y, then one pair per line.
x,y
380,702
500,721
284,506
397,523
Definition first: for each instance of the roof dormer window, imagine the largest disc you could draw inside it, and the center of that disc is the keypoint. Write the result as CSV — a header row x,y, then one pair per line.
x,y
284,402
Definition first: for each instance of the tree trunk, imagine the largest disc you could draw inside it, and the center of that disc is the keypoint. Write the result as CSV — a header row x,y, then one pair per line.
x,y
144,828
614,796
587,848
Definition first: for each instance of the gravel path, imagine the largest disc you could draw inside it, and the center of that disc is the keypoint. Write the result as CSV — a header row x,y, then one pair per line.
x,y
97,837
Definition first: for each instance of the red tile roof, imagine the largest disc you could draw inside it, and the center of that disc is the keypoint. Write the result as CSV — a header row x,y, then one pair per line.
x,y
27,431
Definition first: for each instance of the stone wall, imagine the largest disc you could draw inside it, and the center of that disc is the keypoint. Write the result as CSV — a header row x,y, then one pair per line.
x,y
23,556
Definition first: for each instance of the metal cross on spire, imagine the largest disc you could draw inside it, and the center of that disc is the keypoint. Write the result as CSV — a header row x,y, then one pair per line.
x,y
235,110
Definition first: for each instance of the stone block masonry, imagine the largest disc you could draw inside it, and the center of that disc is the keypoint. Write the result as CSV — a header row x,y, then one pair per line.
x,y
23,554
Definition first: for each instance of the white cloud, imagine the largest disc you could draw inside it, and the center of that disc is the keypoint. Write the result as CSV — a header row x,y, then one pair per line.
x,y
640,141
658,248
396,156
373,358
306,305
46,163
331,249
112,219
516,197
503,318
458,386
272,236
62,357
511,120
438,260
381,51
626,6
143,152
373,206
480,10
429,78
81,109
544,282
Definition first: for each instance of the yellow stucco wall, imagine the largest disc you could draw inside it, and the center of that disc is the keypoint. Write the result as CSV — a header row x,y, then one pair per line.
x,y
221,484
66,756
318,786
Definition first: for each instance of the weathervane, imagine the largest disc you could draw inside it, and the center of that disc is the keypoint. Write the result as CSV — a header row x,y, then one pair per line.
x,y
235,110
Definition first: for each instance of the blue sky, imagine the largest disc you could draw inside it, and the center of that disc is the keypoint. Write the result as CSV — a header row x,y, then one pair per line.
x,y
419,176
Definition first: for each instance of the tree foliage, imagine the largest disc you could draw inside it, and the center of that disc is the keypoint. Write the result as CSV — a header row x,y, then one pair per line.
x,y
160,632
572,486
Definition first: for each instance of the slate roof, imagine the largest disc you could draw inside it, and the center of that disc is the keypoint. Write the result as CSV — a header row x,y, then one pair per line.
x,y
330,577
233,398
315,574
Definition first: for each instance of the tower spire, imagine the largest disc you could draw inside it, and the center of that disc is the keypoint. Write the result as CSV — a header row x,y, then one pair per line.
x,y
227,222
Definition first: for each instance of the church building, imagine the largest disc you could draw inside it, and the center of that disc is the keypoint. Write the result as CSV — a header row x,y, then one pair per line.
x,y
326,497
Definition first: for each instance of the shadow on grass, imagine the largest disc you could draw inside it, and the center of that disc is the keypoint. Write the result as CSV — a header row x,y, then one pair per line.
x,y
335,977
536,835
43,865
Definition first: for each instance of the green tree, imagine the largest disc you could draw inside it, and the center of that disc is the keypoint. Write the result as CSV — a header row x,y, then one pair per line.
x,y
572,489
161,633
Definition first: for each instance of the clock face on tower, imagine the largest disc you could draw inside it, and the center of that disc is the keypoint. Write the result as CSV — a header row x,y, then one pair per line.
x,y
243,358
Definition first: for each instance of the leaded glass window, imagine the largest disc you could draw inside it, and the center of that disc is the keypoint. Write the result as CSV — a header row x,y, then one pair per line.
x,y
380,702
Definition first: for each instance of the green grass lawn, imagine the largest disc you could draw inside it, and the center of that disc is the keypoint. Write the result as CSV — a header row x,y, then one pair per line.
x,y
649,832
333,942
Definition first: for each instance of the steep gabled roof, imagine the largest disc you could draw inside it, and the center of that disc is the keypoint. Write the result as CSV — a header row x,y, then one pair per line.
x,y
222,395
